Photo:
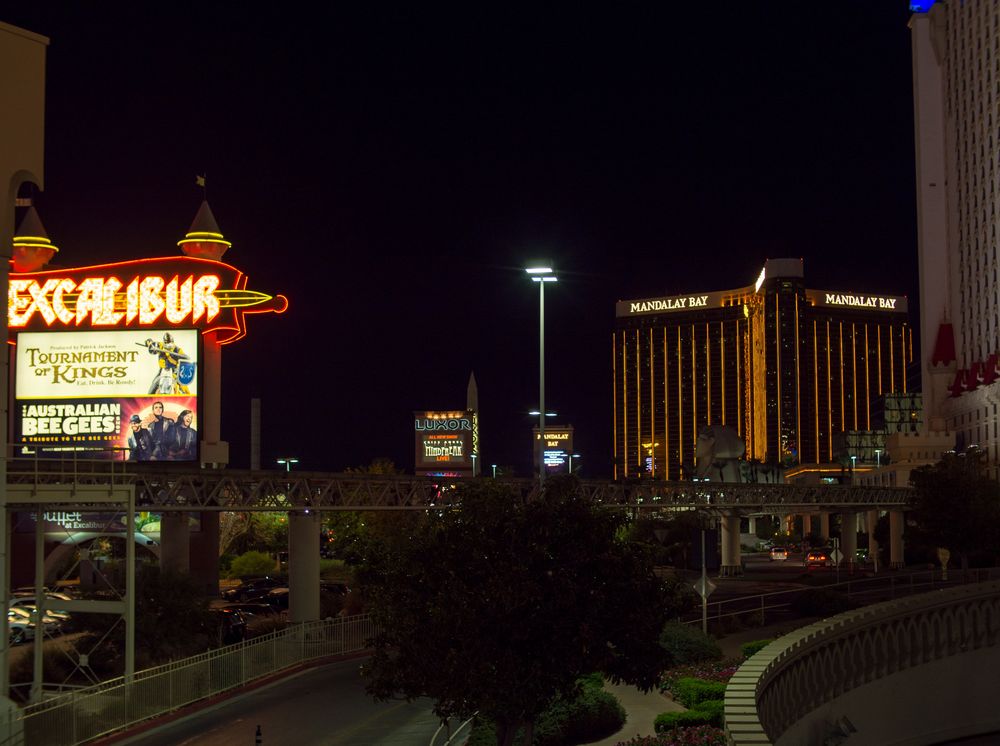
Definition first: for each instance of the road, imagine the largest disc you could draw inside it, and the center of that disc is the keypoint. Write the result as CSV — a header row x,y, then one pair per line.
x,y
325,706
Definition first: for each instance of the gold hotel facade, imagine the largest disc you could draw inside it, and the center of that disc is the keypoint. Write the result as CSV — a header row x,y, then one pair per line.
x,y
788,367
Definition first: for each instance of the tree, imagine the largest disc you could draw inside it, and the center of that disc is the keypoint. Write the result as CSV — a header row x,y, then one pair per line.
x,y
252,563
379,465
956,505
500,605
267,532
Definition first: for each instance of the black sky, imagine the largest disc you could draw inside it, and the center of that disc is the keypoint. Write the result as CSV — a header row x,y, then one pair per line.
x,y
391,171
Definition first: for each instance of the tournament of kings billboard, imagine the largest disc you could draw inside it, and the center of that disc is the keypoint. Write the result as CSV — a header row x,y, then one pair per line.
x,y
129,394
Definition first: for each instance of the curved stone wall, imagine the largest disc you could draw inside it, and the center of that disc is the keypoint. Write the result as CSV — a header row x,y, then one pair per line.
x,y
911,671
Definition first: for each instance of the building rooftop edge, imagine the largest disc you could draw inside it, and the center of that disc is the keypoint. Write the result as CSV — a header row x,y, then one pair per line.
x,y
18,31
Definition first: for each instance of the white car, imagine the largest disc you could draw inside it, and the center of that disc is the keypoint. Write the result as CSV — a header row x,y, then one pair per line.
x,y
51,605
22,619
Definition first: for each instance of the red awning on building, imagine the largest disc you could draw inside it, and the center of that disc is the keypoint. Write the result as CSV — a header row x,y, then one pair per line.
x,y
944,345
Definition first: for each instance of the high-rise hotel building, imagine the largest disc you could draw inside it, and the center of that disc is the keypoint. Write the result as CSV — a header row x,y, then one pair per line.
x,y
956,91
788,367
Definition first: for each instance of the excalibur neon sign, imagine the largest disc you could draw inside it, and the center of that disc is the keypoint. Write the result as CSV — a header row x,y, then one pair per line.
x,y
169,291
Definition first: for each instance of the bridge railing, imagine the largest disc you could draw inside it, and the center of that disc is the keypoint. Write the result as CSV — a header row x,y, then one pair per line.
x,y
825,679
85,714
765,608
182,486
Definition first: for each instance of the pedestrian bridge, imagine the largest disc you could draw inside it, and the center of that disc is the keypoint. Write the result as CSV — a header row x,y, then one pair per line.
x,y
165,488
919,670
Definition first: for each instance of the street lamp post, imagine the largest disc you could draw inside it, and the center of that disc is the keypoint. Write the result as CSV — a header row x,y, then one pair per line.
x,y
541,275
570,460
494,470
474,457
287,462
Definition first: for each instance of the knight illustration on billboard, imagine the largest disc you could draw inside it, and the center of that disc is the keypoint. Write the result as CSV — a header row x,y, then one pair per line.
x,y
176,367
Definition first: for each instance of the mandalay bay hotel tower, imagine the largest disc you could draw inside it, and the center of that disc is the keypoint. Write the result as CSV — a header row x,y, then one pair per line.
x,y
788,367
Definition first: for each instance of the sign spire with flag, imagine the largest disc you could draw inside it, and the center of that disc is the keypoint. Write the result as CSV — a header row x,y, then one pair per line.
x,y
200,181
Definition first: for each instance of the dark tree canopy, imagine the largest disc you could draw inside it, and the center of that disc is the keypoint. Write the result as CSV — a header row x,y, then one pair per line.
x,y
956,505
500,605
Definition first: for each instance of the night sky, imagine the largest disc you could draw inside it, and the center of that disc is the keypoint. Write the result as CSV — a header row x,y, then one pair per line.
x,y
391,171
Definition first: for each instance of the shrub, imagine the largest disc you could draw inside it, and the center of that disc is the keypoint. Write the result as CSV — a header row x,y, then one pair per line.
x,y
687,644
820,602
692,692
715,707
703,735
251,564
667,721
750,648
594,714
707,670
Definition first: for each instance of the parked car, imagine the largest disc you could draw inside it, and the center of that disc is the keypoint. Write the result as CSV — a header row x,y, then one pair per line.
x,y
19,631
252,609
232,625
820,557
340,589
21,626
779,553
51,604
253,589
277,598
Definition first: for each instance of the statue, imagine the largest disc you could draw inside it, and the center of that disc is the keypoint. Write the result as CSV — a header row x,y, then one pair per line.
x,y
718,453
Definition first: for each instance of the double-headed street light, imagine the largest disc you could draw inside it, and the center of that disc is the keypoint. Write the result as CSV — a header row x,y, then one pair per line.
x,y
541,275
287,462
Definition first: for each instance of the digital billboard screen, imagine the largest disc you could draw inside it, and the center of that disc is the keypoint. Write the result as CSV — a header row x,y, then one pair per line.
x,y
444,441
108,394
556,451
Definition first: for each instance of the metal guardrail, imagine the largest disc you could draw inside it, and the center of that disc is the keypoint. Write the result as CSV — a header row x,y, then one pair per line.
x,y
445,730
888,586
118,704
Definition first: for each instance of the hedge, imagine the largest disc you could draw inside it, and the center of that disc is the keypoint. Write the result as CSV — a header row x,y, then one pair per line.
x,y
692,692
667,721
688,644
749,648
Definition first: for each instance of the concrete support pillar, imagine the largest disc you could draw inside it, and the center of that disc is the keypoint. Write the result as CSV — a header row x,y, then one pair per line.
x,y
731,564
824,527
752,526
175,542
789,522
871,520
205,553
849,538
214,450
807,524
303,566
896,539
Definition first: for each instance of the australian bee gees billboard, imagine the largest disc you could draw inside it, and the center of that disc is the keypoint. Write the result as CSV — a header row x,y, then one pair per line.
x,y
108,394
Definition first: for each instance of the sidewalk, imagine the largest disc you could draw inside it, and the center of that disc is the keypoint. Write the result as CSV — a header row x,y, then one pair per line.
x,y
642,708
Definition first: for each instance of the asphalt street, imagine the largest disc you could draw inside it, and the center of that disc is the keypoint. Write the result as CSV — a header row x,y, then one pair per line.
x,y
326,706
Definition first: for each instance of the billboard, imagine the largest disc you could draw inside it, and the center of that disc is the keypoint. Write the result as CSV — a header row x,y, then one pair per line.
x,y
557,450
444,442
182,292
108,394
